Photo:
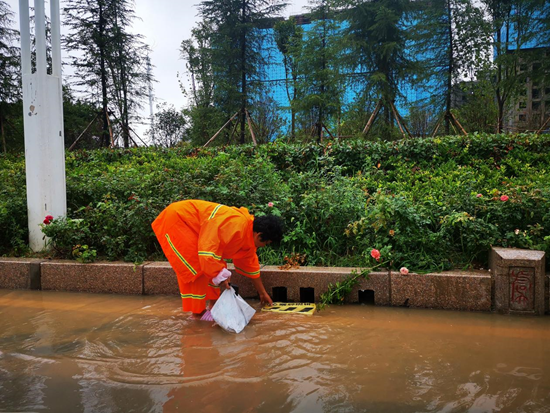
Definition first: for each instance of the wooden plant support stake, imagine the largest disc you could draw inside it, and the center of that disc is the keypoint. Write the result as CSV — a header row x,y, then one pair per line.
x,y
110,129
233,131
396,116
82,134
437,125
457,123
543,125
250,127
402,121
218,132
372,117
329,134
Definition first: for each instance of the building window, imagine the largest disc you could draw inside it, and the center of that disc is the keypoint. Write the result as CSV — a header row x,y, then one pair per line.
x,y
535,106
535,93
522,118
522,104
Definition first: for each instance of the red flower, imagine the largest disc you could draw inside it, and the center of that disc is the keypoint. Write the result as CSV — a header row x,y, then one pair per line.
x,y
48,220
375,254
504,198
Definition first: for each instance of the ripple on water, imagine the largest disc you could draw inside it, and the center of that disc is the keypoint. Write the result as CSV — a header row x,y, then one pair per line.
x,y
143,354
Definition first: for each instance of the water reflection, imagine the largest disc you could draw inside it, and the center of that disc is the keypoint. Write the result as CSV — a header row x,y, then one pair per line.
x,y
65,352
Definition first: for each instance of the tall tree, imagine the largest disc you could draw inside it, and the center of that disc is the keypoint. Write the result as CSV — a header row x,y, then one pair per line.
x,y
168,127
109,62
377,38
10,78
515,29
322,86
289,39
204,117
449,39
237,57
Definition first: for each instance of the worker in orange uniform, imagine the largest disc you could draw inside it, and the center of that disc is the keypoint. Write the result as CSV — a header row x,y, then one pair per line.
x,y
197,236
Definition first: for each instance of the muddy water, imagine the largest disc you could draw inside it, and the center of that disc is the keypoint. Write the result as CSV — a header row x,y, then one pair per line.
x,y
62,352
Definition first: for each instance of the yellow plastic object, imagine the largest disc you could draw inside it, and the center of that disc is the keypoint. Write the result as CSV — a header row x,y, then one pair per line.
x,y
291,308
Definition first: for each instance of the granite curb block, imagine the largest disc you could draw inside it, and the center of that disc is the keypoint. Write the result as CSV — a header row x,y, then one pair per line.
x,y
159,279
98,277
449,290
519,281
317,278
20,273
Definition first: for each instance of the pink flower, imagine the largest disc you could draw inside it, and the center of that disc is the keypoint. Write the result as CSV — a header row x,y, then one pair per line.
x,y
504,198
479,195
270,204
48,220
375,254
404,271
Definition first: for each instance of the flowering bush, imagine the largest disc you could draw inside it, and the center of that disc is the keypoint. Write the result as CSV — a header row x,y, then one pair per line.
x,y
426,204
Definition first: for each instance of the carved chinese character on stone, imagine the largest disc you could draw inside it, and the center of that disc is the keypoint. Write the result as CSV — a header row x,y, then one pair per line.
x,y
522,288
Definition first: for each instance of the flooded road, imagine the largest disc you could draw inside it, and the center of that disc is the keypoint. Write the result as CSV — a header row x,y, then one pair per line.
x,y
63,352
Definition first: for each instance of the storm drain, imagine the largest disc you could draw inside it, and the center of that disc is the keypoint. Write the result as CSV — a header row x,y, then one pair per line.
x,y
307,294
366,297
279,294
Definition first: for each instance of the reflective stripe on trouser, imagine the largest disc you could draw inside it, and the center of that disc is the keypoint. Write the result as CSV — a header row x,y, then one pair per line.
x,y
194,294
179,243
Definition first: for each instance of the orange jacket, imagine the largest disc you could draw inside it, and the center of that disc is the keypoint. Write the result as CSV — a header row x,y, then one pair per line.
x,y
220,232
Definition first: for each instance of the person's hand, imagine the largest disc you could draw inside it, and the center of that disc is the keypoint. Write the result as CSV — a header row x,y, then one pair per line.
x,y
265,299
224,285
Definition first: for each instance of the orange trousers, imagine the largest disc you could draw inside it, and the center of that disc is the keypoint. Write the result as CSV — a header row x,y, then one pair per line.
x,y
179,243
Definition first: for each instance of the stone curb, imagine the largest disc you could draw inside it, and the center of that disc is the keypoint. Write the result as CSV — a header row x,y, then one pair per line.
x,y
453,290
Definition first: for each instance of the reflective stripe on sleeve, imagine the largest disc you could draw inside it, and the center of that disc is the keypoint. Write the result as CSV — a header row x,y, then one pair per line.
x,y
214,212
180,256
247,272
209,254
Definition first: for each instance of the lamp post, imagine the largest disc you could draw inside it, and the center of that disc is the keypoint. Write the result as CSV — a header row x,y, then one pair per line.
x,y
43,121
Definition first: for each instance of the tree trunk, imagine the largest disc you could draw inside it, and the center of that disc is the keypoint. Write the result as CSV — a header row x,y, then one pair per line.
x,y
243,70
4,146
450,70
105,139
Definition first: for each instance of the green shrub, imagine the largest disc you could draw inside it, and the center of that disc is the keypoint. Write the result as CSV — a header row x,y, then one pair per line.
x,y
427,204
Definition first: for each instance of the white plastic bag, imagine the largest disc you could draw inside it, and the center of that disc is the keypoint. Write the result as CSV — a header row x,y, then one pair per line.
x,y
231,312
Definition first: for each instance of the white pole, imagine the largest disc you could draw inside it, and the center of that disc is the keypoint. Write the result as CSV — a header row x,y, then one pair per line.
x,y
43,120
40,33
24,24
56,38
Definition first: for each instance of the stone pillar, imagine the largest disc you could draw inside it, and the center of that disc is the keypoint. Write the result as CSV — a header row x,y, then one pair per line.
x,y
43,121
519,280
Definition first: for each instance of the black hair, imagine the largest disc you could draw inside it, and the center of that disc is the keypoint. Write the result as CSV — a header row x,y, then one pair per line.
x,y
271,228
